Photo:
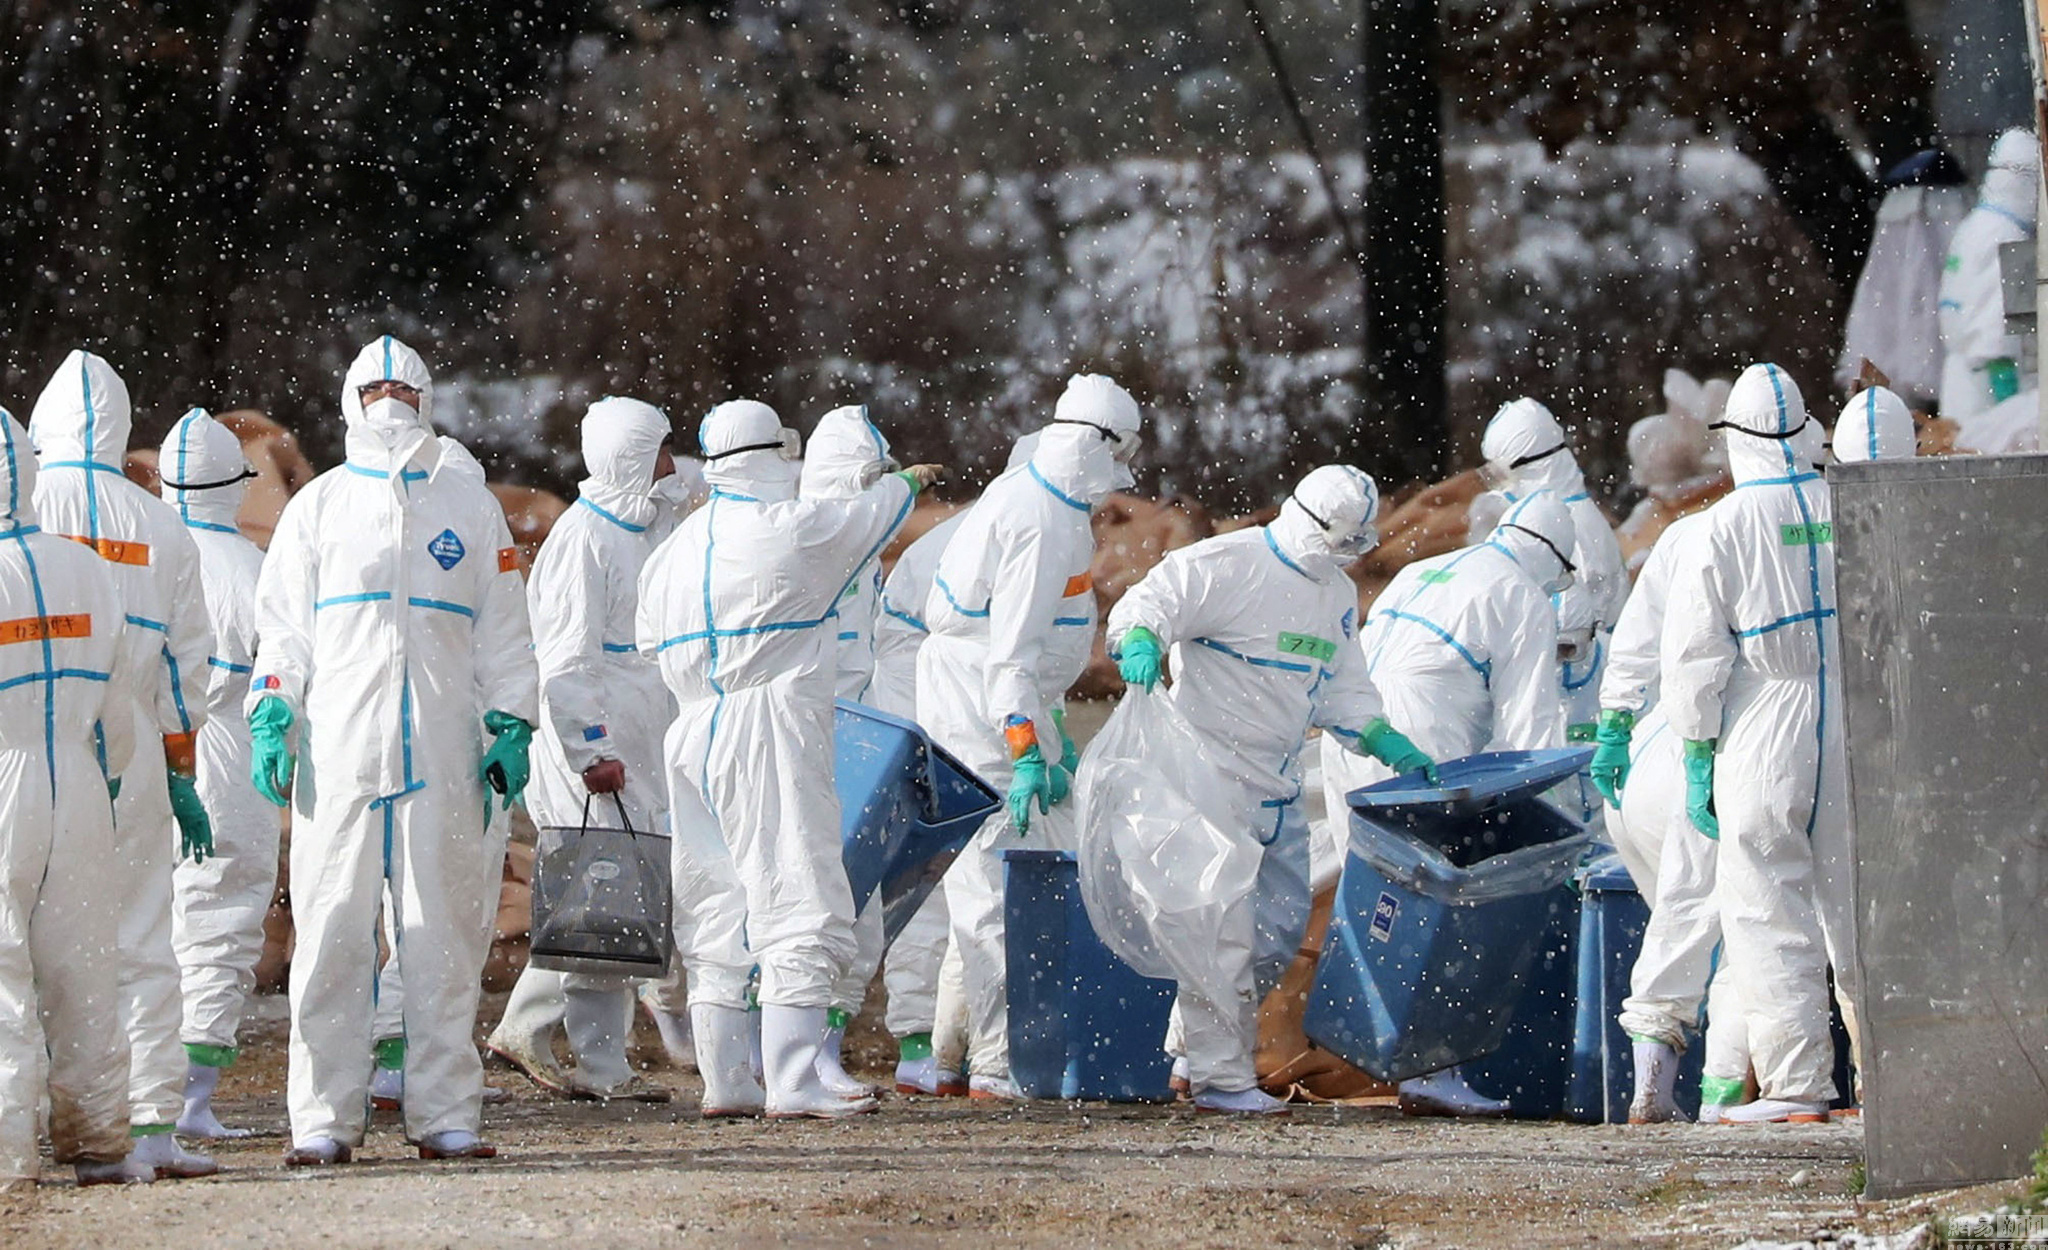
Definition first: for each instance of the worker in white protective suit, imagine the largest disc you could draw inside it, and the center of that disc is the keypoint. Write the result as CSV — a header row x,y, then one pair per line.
x,y
1526,451
839,463
219,905
1638,768
1462,648
604,708
80,431
1980,362
1260,625
1680,946
66,658
1012,619
393,699
1893,318
1751,684
734,607
534,1011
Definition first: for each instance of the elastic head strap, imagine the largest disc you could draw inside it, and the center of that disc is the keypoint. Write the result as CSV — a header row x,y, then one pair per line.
x,y
774,446
243,476
1775,436
1108,434
1532,459
1569,566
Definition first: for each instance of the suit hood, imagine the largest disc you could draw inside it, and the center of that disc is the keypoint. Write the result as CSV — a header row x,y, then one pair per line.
x,y
83,414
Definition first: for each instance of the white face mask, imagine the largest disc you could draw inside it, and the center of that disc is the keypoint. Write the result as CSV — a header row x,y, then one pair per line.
x,y
390,417
672,492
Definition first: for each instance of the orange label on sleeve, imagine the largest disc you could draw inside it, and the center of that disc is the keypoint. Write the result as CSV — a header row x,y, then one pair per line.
x,y
115,551
1078,584
508,559
38,628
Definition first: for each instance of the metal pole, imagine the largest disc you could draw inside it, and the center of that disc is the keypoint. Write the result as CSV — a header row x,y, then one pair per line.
x,y
2037,58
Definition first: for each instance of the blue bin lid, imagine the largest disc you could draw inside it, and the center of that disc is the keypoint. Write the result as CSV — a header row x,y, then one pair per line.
x,y
1476,781
1607,873
1027,855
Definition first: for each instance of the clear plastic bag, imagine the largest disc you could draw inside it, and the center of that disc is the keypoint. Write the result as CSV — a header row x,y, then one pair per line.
x,y
1166,847
602,900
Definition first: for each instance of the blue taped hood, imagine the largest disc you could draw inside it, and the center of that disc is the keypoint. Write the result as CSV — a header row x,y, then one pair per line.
x,y
1766,426
83,414
1875,425
17,474
202,470
846,454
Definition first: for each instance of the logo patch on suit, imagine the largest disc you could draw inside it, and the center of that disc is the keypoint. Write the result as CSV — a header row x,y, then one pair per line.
x,y
1350,622
447,549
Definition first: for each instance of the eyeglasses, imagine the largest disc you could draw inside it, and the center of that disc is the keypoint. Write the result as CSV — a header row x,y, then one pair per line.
x,y
389,388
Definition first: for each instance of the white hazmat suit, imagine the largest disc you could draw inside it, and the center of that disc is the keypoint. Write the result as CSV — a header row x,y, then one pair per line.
x,y
1260,624
1462,649
217,916
80,430
1751,682
1526,447
391,623
845,456
1979,364
1012,620
601,699
64,652
735,607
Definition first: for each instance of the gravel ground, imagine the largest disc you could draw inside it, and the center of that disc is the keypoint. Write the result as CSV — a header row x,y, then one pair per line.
x,y
929,1172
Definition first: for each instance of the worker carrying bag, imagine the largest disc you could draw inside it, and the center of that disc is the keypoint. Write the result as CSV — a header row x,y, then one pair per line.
x,y
602,901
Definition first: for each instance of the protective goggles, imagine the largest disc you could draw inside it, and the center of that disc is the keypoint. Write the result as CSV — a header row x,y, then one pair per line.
x,y
1126,444
1352,545
789,443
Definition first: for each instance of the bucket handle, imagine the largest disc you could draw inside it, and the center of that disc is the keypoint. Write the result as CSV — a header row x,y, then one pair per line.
x,y
624,820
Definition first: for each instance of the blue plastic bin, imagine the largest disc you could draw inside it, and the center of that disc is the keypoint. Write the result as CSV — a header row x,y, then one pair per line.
x,y
1083,1023
1603,1060
906,809
1531,1069
1440,912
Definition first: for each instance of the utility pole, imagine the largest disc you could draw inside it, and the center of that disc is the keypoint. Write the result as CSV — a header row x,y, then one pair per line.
x,y
2037,57
1402,431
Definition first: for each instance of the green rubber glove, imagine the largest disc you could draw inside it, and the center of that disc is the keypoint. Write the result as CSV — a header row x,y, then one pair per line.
x,y
1699,786
1391,747
1030,780
1138,657
114,789
1610,757
195,831
271,761
2004,376
505,767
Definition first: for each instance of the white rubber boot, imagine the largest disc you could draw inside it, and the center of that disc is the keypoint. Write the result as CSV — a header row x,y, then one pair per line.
x,y
161,1153
1178,1082
1776,1111
387,1088
317,1152
791,1039
1656,1074
725,1045
831,1073
993,1089
593,1019
123,1172
198,1119
1253,1101
674,1028
1444,1092
525,1035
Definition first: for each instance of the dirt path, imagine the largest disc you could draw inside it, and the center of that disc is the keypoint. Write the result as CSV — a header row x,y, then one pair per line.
x,y
929,1172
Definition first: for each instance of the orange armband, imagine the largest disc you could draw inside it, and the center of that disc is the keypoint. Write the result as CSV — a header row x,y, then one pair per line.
x,y
180,755
1020,734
